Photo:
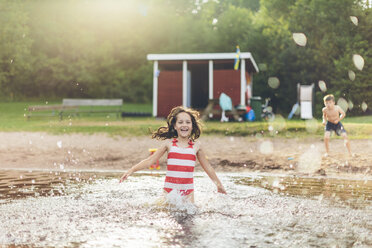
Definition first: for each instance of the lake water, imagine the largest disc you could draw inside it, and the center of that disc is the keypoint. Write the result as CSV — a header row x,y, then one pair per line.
x,y
91,209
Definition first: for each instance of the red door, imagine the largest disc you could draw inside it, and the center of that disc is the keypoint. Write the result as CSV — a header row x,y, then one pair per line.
x,y
228,82
169,91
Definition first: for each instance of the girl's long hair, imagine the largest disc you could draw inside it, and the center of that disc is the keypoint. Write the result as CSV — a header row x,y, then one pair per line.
x,y
168,132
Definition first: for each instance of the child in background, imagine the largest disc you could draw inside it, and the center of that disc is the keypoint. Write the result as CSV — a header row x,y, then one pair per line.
x,y
182,130
332,116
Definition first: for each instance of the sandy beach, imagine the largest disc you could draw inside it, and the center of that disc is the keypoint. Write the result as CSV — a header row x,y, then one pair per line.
x,y
233,154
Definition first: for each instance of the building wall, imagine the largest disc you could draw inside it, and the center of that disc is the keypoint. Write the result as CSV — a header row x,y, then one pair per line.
x,y
228,82
169,91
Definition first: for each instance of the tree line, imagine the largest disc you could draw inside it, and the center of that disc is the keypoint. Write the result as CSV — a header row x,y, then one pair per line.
x,y
77,48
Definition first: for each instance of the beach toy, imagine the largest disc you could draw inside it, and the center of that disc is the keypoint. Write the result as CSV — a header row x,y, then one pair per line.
x,y
250,116
156,165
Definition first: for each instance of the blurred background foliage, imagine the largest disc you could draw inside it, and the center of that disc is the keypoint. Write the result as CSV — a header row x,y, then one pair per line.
x,y
50,49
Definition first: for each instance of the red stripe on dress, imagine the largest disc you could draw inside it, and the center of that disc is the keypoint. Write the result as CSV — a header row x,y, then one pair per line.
x,y
179,180
181,156
168,189
183,192
180,168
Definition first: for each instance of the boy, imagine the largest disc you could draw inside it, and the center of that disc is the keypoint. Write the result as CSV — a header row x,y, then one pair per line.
x,y
332,116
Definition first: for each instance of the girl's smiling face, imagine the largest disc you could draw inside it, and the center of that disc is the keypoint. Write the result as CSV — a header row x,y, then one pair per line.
x,y
183,125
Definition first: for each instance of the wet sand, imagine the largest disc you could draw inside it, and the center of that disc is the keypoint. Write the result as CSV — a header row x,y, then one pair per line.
x,y
232,154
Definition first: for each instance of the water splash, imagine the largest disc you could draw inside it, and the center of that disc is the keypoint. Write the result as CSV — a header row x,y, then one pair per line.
x,y
277,124
299,38
322,86
343,104
103,213
266,147
364,106
312,125
354,20
350,105
351,75
310,161
273,82
358,61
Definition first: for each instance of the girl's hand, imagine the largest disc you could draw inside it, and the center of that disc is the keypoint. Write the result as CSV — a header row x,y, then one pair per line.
x,y
221,189
125,176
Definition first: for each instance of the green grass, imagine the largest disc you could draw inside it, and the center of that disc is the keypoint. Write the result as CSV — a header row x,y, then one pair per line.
x,y
12,119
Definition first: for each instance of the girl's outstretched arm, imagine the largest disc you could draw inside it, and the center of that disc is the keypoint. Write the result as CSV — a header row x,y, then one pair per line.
x,y
209,170
145,163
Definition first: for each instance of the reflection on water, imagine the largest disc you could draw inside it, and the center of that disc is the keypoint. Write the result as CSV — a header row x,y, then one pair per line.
x,y
356,193
85,209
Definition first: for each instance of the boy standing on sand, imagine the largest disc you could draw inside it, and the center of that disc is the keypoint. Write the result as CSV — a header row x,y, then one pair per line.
x,y
332,116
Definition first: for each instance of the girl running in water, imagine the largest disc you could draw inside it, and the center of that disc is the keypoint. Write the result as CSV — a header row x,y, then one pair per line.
x,y
182,130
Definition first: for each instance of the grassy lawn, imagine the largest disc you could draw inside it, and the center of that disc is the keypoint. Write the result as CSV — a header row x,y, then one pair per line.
x,y
13,119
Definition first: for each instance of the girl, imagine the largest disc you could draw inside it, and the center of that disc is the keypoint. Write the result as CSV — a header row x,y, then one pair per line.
x,y
182,130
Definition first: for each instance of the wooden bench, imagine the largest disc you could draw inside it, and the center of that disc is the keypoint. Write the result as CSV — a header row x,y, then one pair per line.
x,y
90,106
47,110
77,106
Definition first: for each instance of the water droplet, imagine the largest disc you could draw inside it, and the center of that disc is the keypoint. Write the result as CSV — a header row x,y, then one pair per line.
x,y
214,21
266,147
310,161
343,104
354,20
276,184
273,82
278,123
299,38
322,86
351,105
30,142
358,61
311,125
61,166
59,144
32,181
364,106
262,67
351,75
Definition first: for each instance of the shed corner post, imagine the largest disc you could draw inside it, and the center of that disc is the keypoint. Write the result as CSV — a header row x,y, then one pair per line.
x,y
242,82
155,89
184,83
210,95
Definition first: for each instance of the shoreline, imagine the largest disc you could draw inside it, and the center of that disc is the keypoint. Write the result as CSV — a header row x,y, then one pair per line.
x,y
100,152
355,177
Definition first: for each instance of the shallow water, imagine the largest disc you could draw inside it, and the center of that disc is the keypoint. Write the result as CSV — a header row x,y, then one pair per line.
x,y
91,209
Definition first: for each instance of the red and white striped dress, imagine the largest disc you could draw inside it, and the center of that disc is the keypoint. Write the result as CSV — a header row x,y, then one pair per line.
x,y
180,169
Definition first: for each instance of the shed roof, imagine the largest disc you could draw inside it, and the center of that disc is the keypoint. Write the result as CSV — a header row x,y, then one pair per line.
x,y
202,56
